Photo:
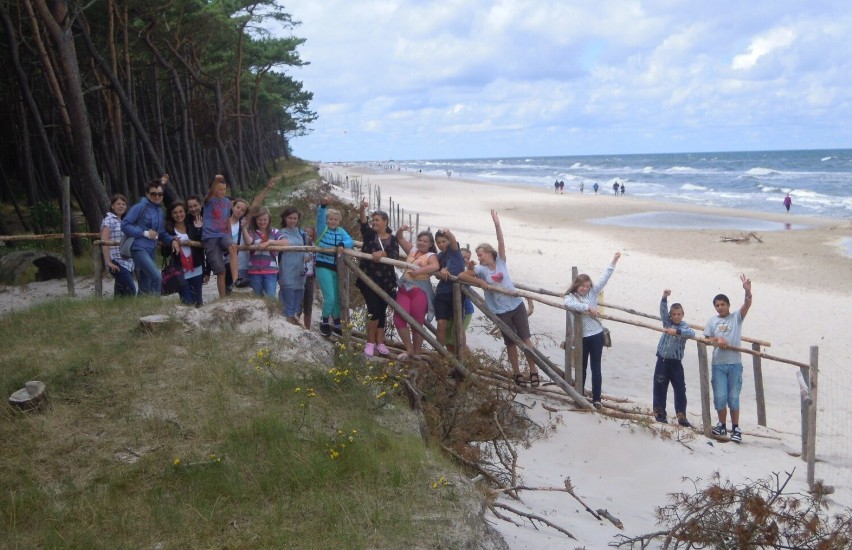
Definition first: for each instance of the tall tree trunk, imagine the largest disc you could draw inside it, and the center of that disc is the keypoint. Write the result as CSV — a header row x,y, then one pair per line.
x,y
93,198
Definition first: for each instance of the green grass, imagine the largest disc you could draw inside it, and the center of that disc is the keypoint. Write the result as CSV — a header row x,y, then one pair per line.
x,y
185,439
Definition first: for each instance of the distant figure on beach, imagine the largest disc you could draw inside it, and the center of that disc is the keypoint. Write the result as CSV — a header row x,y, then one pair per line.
x,y
582,297
493,271
788,202
595,187
622,189
561,187
723,331
449,173
669,368
615,189
582,187
556,186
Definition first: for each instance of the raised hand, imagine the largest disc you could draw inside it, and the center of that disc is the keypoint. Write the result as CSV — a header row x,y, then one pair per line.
x,y
746,283
616,257
667,292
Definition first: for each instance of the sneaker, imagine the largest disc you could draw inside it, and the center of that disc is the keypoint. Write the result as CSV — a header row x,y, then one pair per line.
x,y
736,435
720,429
242,282
382,349
325,329
682,420
597,405
661,418
337,330
369,349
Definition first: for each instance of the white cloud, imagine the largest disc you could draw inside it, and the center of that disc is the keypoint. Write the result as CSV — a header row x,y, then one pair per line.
x,y
415,76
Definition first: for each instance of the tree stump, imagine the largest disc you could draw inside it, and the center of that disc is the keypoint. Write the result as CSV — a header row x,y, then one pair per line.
x,y
154,323
31,397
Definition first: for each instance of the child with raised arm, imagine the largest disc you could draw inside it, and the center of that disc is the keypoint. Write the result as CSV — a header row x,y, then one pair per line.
x,y
492,270
216,233
669,369
582,297
331,235
724,331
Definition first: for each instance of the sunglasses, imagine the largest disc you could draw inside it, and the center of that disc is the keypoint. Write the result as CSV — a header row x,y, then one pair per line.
x,y
156,194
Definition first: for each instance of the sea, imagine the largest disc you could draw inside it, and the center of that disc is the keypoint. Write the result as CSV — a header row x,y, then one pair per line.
x,y
819,181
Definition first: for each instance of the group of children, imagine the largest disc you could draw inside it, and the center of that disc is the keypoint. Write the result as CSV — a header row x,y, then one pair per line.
x,y
221,224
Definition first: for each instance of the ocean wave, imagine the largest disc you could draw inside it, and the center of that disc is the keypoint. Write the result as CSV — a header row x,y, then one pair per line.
x,y
823,159
761,172
682,170
694,187
647,169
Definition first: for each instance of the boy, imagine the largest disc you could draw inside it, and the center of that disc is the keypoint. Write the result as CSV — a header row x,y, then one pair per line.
x,y
669,368
216,233
723,331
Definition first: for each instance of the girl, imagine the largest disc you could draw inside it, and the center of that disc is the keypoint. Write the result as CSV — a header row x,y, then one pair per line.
x,y
263,264
291,265
415,293
492,270
331,235
121,269
380,243
582,297
191,259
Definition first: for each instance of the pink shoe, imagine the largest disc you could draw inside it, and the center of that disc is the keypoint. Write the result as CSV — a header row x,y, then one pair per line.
x,y
382,349
369,349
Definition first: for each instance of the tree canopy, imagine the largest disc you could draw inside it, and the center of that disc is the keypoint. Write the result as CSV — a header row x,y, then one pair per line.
x,y
113,93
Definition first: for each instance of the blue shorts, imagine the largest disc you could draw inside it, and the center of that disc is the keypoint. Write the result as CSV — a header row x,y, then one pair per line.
x,y
727,381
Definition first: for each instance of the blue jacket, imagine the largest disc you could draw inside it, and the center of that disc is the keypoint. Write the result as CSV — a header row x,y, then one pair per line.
x,y
672,347
143,216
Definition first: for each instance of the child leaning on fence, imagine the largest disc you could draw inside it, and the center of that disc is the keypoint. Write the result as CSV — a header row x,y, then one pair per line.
x,y
216,233
331,235
669,368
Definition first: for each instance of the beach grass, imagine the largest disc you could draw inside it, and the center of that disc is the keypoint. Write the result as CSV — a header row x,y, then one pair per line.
x,y
197,439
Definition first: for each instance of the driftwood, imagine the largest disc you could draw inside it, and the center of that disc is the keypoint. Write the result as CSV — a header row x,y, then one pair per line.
x,y
742,239
32,397
614,520
531,517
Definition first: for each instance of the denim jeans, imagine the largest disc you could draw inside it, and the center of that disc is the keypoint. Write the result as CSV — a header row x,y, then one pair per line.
x,y
124,285
190,294
291,301
727,382
264,285
593,349
150,278
669,371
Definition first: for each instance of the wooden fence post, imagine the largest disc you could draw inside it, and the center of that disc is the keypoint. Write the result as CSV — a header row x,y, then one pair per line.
x,y
758,386
813,374
66,230
704,374
98,264
458,319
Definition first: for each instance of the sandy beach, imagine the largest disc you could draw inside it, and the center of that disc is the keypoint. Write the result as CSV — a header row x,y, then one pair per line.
x,y
802,297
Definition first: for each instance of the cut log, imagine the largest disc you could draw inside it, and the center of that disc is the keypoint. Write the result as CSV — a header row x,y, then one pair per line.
x,y
153,323
31,397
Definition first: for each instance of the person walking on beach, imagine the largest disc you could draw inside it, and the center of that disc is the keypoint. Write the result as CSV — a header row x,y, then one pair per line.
x,y
555,186
724,331
595,187
615,189
669,368
582,187
788,202
582,297
622,189
493,271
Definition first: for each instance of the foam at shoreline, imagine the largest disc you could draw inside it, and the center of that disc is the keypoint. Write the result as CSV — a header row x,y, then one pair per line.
x,y
682,220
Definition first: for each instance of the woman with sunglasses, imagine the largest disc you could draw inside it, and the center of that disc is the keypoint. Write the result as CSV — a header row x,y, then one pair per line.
x,y
146,224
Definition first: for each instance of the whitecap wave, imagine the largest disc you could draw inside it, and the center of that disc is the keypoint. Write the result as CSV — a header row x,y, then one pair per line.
x,y
823,159
693,187
682,170
761,172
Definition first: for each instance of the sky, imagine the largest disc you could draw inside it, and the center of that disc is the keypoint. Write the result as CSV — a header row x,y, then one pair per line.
x,y
409,79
